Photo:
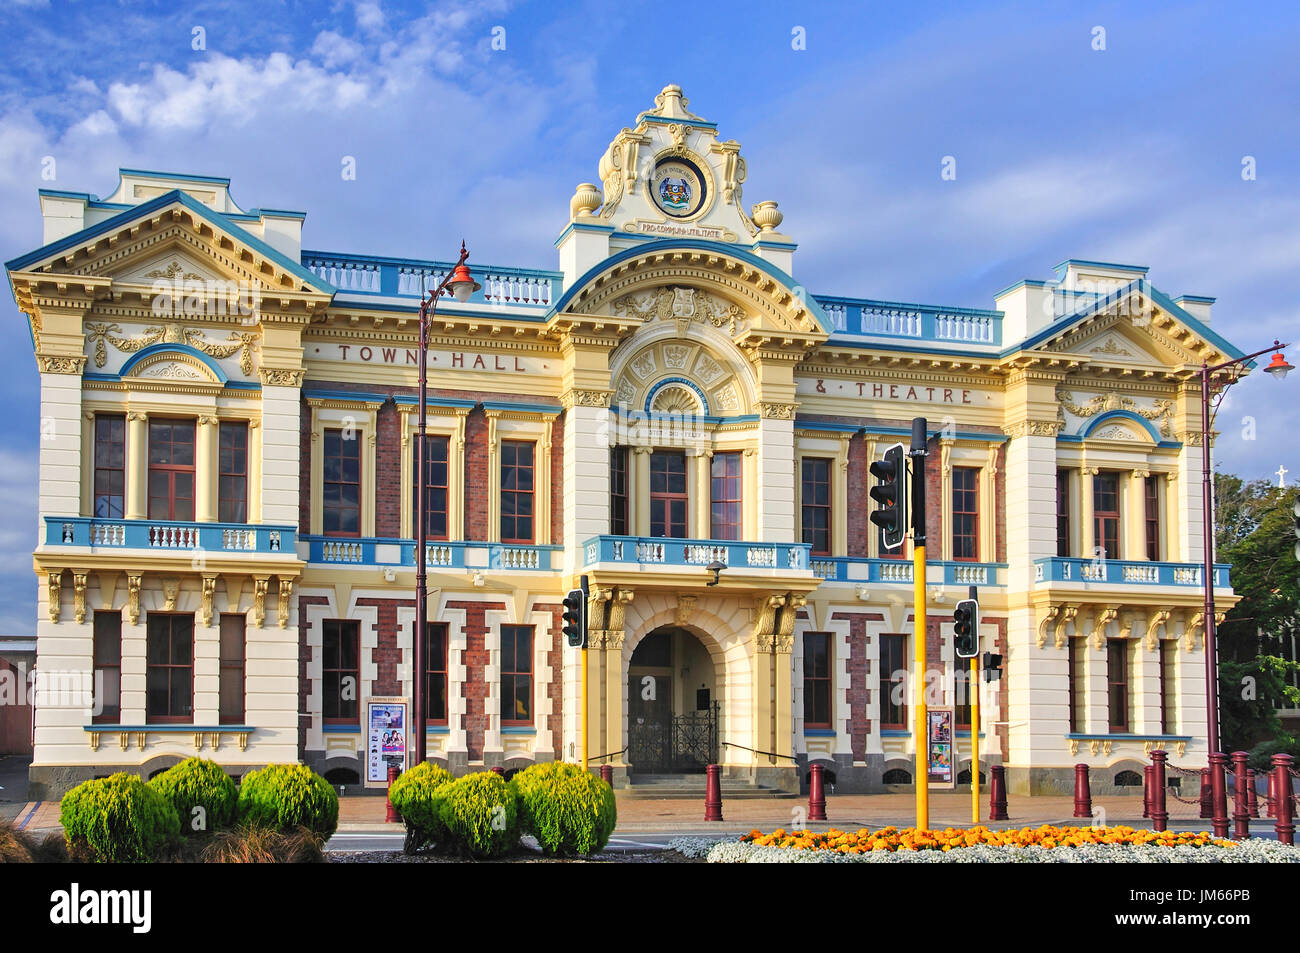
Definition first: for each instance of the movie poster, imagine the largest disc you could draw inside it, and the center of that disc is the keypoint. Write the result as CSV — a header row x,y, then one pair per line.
x,y
385,739
939,742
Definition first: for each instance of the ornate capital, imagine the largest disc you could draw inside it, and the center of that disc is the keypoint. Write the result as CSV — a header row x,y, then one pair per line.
x,y
54,589
133,581
79,596
209,587
778,411
1032,428
575,397
259,600
280,377
61,364
286,590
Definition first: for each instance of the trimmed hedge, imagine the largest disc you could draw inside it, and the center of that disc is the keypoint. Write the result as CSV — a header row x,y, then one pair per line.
x,y
418,795
480,815
199,783
287,796
118,819
568,810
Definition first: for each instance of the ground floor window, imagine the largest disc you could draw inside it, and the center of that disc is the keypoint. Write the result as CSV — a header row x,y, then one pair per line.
x,y
231,678
169,675
108,668
892,681
516,675
340,671
817,680
435,670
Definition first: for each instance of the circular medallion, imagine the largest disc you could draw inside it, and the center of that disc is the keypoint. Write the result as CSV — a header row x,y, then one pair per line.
x,y
677,187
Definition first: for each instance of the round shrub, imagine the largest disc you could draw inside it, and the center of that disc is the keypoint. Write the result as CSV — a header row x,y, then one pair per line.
x,y
198,783
118,819
480,816
568,810
287,796
417,794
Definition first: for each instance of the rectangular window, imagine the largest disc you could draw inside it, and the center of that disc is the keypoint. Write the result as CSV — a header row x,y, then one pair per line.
x,y
726,513
618,491
1105,515
169,676
231,678
1063,513
341,483
436,485
435,671
171,470
1117,683
1168,686
110,466
1151,496
962,689
517,488
1075,656
668,500
340,671
815,504
891,681
516,675
108,667
232,481
816,680
965,513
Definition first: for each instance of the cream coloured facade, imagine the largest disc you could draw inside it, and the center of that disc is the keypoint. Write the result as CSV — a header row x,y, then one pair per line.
x,y
228,476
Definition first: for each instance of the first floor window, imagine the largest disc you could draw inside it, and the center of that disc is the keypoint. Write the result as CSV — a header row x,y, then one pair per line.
x,y
171,470
231,674
108,668
341,484
1063,513
815,504
725,517
1117,683
435,671
517,490
618,491
1168,686
340,671
110,465
516,675
668,498
1151,497
232,481
169,673
891,681
965,513
817,680
436,484
1105,514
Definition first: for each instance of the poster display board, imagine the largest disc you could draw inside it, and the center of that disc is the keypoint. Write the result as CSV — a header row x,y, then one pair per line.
x,y
386,733
940,751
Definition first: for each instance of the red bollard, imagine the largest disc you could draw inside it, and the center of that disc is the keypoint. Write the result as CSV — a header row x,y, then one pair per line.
x,y
1240,799
1252,794
1219,791
712,793
607,774
1082,792
1285,823
499,770
1146,790
997,793
816,795
390,813
1207,795
1271,808
1159,816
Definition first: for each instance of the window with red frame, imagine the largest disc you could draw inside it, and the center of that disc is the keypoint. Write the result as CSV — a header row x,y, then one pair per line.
x,y
232,481
815,504
436,484
516,675
1105,514
817,680
1117,683
726,515
435,671
1074,683
1151,496
517,490
341,486
169,669
668,499
231,668
340,671
1063,513
171,470
965,513
1168,686
891,681
108,667
110,465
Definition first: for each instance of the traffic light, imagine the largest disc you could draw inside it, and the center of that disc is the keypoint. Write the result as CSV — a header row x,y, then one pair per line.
x,y
992,666
890,493
966,628
575,618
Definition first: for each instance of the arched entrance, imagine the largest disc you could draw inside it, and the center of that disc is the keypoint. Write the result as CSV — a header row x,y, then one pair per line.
x,y
672,705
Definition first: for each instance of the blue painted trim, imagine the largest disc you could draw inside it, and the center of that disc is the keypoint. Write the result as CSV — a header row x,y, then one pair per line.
x,y
692,555
168,728
768,243
435,401
276,213
243,385
921,345
1022,283
358,396
829,427
1061,266
341,729
660,385
164,348
662,121
518,730
349,300
175,176
61,194
1198,299
427,263
635,416
1076,569
135,534
522,405
1156,736
1110,415
581,227
895,733
910,306
819,732
677,243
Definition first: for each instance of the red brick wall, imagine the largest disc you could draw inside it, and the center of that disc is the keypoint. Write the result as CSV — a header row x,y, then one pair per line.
x,y
859,694
933,501
1000,504
387,655
557,482
555,659
476,475
304,472
388,471
475,659
859,502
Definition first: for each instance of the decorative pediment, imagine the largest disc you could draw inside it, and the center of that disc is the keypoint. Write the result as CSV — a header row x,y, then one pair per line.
x,y
174,364
173,267
658,372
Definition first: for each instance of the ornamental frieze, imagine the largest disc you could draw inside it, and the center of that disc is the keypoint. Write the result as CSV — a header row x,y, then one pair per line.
x,y
670,303
1162,410
241,342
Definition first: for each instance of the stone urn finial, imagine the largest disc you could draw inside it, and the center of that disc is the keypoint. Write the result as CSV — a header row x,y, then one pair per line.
x,y
586,199
767,216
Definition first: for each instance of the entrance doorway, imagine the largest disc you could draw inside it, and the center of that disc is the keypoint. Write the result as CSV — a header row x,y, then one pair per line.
x,y
672,709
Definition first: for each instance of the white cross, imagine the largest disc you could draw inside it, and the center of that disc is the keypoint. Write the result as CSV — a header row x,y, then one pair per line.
x,y
1281,476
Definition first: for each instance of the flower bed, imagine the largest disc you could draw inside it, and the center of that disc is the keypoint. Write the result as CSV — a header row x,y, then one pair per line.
x,y
1046,844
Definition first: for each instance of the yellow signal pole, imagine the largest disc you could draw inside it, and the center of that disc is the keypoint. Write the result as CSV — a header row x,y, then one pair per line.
x,y
975,740
583,707
922,736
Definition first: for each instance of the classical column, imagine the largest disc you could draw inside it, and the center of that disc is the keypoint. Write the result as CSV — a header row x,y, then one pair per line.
x,y
702,495
1135,541
137,464
749,493
641,505
1087,531
945,500
693,494
205,469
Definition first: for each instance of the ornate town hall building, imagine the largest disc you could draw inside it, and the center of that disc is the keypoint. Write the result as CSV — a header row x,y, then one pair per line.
x,y
228,479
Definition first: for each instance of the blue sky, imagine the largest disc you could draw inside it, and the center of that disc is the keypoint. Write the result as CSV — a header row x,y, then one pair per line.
x,y
1129,154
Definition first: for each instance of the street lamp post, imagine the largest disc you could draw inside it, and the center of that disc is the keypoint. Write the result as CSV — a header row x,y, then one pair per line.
x,y
1278,368
462,285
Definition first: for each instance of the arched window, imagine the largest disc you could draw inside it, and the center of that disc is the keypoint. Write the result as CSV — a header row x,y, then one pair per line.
x,y
896,776
1128,779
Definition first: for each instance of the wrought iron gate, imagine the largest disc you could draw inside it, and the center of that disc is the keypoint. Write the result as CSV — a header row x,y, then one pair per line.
x,y
675,744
